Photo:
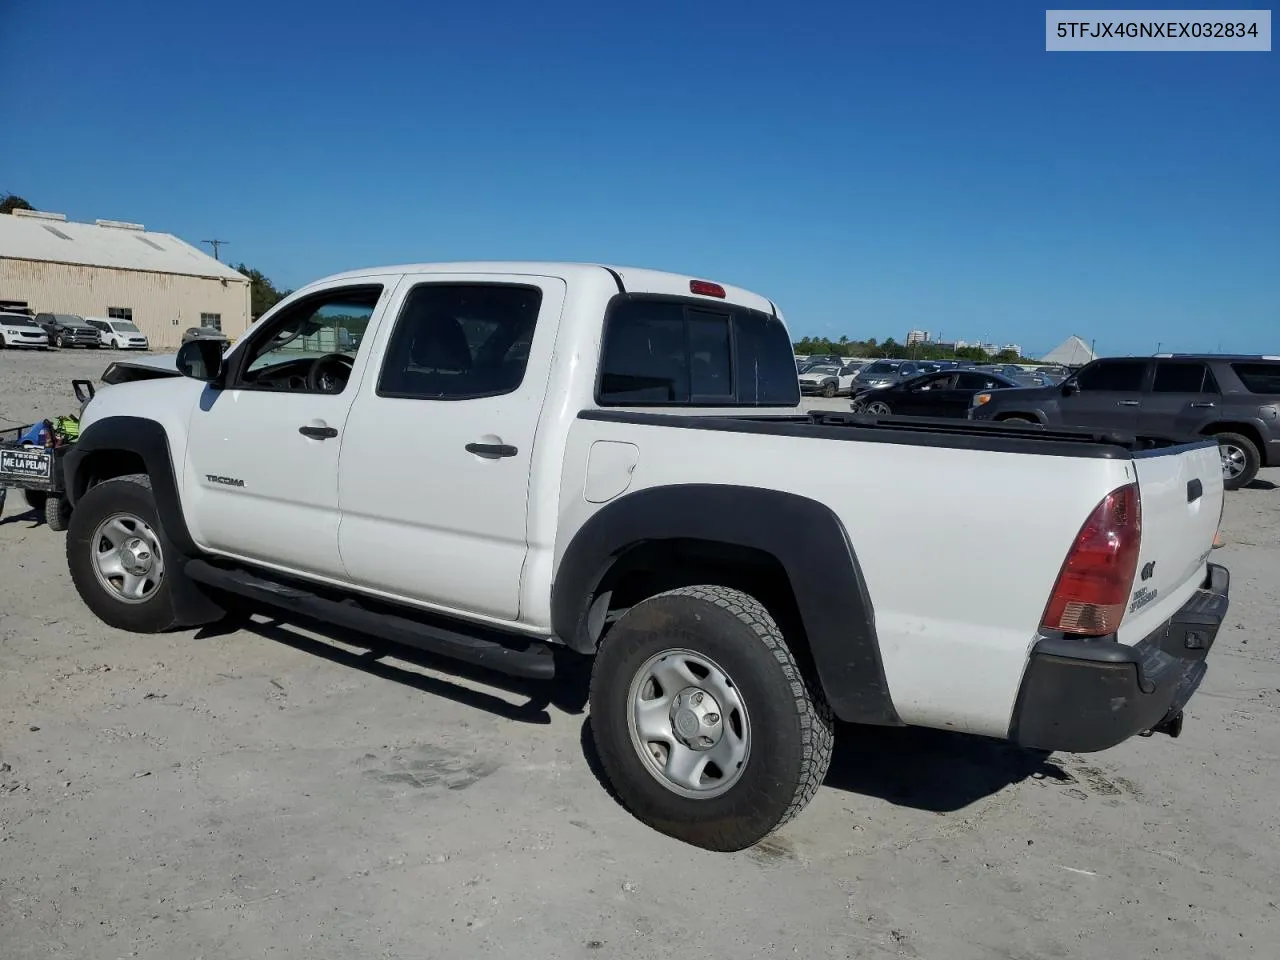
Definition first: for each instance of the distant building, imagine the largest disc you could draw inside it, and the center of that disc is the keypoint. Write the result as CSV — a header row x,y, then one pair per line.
x,y
118,271
917,336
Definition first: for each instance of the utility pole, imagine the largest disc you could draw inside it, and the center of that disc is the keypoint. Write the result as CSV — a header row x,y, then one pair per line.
x,y
216,244
1159,344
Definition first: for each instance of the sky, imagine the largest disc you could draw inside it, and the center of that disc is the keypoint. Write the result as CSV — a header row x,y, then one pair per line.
x,y
872,168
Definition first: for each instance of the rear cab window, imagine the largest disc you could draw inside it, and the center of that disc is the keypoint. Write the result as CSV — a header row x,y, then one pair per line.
x,y
663,351
1258,377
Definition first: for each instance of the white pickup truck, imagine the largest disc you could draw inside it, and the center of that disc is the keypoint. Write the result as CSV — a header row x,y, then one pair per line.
x,y
495,460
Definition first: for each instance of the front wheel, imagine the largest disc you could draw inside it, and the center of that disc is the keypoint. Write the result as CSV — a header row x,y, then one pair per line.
x,y
1240,460
828,390
117,556
878,408
704,723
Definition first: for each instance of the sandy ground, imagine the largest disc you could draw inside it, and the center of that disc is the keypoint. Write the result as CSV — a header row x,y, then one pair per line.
x,y
269,792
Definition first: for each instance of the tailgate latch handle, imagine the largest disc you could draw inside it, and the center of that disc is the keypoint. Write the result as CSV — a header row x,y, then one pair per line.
x,y
1195,490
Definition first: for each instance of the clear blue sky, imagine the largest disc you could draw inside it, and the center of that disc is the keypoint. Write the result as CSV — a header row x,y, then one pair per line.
x,y
872,167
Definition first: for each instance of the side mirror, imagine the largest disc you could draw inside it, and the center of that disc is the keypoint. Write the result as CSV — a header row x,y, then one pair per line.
x,y
1070,388
200,360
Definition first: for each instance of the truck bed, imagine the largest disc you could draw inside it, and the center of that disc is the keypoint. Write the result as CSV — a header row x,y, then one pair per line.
x,y
996,437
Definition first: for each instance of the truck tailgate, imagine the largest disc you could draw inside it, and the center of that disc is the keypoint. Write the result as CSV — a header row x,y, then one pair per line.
x,y
1181,490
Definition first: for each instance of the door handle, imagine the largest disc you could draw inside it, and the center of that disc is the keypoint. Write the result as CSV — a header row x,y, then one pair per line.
x,y
492,450
1203,403
319,433
1195,490
1127,403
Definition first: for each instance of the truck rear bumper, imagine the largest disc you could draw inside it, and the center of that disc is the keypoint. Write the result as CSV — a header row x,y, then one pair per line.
x,y
1088,695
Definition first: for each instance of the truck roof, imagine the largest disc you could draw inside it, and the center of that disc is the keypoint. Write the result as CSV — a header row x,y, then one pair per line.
x,y
627,279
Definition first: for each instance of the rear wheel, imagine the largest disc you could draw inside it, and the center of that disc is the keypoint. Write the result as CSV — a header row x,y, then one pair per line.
x,y
1016,419
704,723
1240,460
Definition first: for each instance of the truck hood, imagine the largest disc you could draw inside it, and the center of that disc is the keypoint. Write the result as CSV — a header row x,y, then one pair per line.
x,y
142,368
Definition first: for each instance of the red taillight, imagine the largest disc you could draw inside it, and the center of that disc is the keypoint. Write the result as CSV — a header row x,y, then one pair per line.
x,y
706,288
1097,577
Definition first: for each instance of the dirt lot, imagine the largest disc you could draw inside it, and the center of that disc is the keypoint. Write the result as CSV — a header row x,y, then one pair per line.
x,y
272,792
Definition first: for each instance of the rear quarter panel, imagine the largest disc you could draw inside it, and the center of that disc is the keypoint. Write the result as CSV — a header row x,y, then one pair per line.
x,y
960,549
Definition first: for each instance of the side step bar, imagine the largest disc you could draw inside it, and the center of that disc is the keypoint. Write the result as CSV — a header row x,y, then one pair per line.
x,y
520,657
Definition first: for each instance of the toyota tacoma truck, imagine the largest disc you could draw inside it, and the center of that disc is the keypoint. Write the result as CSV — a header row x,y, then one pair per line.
x,y
499,461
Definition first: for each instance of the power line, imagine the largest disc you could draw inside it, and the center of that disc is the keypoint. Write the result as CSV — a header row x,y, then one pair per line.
x,y
216,244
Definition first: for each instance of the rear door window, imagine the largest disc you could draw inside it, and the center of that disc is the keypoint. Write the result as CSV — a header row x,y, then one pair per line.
x,y
664,351
1182,376
1259,377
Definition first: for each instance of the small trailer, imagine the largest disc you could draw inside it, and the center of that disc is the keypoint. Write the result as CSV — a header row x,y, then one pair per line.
x,y
31,461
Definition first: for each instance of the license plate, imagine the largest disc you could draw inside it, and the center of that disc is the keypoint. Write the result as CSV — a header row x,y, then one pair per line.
x,y
27,464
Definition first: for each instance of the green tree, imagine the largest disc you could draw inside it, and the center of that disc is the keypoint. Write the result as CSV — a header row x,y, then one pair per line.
x,y
263,294
10,202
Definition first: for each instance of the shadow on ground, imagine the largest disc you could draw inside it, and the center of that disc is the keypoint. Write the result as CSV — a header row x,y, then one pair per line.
x,y
35,517
930,769
1260,485
910,767
913,767
566,693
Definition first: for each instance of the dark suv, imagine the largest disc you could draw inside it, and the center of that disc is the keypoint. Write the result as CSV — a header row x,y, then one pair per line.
x,y
1233,398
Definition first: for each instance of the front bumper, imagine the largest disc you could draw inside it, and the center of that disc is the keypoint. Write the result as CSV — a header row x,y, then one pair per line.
x,y
1088,695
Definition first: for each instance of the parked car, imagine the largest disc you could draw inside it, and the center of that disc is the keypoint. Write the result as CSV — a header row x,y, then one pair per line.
x,y
883,373
828,379
204,333
118,334
69,330
19,330
612,431
1231,398
945,394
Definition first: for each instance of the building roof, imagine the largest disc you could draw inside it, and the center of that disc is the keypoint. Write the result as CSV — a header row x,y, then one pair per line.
x,y
27,235
1070,352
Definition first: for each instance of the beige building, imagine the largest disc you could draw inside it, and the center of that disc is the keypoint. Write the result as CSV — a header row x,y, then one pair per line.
x,y
118,270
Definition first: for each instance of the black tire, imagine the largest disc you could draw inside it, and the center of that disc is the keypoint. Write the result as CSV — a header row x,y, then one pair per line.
x,y
57,513
1017,419
828,390
129,495
62,341
35,499
790,724
1247,451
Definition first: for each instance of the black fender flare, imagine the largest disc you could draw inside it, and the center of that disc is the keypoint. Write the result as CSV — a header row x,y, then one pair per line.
x,y
148,440
805,536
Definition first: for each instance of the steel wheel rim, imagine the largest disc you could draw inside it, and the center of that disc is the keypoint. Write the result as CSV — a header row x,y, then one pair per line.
x,y
878,407
688,724
127,559
1233,460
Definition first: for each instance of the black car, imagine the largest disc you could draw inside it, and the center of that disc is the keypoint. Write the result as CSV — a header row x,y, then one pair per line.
x,y
1233,398
945,394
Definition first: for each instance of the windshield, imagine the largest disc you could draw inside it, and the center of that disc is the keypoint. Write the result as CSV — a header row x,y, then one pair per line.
x,y
13,320
823,369
124,326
